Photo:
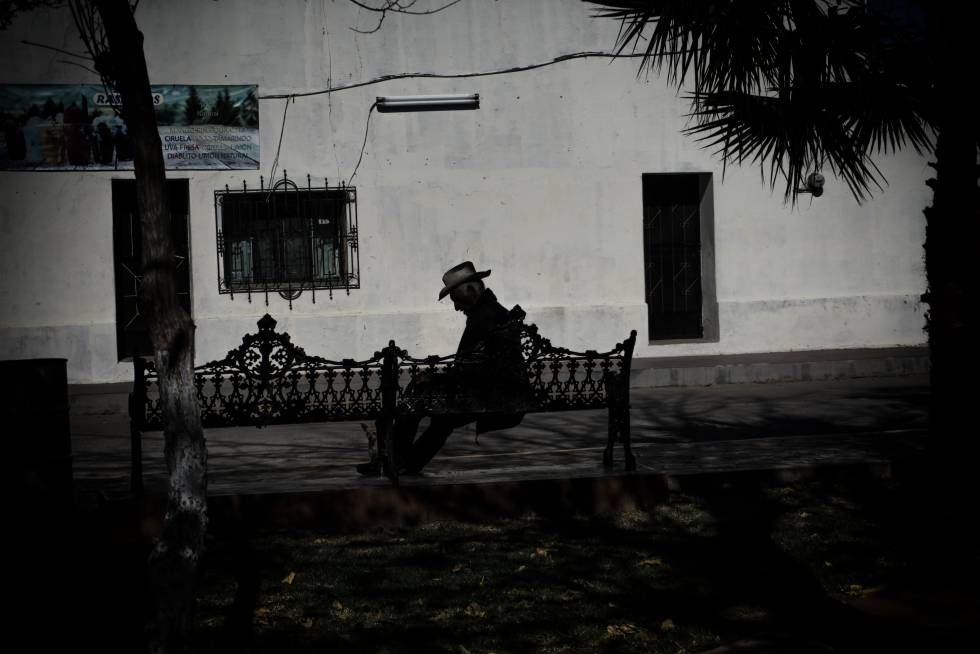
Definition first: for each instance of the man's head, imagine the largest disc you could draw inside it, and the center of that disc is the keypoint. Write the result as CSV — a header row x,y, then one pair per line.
x,y
463,284
465,295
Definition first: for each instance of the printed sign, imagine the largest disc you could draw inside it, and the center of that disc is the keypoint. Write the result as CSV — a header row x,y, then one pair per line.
x,y
78,127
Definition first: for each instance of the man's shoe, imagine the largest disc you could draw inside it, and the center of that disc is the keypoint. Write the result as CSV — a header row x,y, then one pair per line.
x,y
370,469
411,472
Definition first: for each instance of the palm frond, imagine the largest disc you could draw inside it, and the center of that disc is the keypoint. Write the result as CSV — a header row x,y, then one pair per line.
x,y
787,139
882,116
789,85
720,44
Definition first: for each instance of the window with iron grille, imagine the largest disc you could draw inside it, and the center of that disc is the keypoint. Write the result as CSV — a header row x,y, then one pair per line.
x,y
287,239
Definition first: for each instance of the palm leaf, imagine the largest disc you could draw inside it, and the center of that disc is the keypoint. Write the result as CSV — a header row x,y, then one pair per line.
x,y
724,43
787,139
789,85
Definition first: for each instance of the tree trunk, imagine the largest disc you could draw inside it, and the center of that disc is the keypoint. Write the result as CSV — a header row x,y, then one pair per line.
x,y
174,560
949,255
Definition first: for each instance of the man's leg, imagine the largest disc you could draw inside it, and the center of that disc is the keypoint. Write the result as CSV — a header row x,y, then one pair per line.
x,y
404,433
433,438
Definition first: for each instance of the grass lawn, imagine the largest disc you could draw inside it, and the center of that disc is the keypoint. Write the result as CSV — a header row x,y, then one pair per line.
x,y
831,565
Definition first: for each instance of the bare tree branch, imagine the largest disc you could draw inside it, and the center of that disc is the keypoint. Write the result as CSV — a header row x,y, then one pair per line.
x,y
376,27
92,33
400,7
75,63
51,47
397,7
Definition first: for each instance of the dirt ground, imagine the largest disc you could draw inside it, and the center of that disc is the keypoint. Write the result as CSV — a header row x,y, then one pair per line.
x,y
843,563
832,565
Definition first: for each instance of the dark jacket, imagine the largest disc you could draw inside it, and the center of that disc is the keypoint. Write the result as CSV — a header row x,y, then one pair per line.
x,y
490,365
481,319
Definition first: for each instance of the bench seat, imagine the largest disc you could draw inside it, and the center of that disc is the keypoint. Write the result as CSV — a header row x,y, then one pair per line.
x,y
267,380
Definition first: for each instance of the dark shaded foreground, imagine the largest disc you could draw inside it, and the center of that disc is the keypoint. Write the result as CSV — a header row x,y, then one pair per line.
x,y
79,577
839,564
842,563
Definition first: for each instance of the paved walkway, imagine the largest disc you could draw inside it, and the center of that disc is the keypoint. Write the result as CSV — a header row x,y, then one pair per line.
x,y
785,428
303,476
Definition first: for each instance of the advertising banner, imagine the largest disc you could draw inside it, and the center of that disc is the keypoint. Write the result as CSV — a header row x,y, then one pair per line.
x,y
79,127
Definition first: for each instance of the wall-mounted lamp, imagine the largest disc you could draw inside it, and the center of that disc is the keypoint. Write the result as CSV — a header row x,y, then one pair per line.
x,y
391,103
814,184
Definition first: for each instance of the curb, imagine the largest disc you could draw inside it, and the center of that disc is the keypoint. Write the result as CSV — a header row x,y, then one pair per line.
x,y
818,365
388,507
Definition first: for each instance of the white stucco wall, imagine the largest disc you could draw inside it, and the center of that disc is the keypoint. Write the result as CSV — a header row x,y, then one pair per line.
x,y
542,184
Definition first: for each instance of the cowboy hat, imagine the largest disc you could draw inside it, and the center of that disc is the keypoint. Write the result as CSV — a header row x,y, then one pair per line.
x,y
464,272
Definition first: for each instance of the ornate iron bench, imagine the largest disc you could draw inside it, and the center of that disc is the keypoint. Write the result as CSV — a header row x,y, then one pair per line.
x,y
267,380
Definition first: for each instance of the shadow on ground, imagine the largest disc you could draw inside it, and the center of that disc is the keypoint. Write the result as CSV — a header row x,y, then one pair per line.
x,y
833,565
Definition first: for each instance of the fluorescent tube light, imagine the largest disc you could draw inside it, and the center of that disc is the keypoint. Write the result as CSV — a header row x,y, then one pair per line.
x,y
391,103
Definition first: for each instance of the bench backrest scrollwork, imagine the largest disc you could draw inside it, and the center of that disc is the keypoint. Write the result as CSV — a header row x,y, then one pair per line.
x,y
563,379
269,380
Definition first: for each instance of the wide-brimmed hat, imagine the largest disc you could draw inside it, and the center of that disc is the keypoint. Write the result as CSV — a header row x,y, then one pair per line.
x,y
464,272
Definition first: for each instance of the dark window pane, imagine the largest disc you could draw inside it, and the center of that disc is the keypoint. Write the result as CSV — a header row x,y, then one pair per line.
x,y
295,260
241,260
127,244
672,255
265,269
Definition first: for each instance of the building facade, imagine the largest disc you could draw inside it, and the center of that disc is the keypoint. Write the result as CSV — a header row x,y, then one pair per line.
x,y
572,182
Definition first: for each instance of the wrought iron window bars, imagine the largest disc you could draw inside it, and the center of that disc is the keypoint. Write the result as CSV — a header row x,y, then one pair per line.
x,y
287,239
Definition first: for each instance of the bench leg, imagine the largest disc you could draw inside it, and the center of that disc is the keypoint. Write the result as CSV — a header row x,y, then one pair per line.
x,y
619,426
386,448
624,435
607,454
135,460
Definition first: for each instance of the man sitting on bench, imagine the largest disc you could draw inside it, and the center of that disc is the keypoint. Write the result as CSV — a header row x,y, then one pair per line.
x,y
487,383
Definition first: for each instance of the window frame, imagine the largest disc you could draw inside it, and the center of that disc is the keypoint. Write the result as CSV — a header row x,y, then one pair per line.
x,y
258,231
704,200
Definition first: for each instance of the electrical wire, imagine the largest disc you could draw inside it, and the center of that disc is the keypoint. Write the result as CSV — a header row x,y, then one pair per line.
x,y
282,131
366,125
384,78
516,69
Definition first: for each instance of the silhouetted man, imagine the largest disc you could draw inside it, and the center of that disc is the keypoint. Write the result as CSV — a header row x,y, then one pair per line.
x,y
486,384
